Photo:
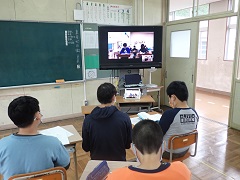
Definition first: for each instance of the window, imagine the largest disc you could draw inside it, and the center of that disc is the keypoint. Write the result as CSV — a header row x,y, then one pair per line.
x,y
202,42
202,46
230,38
184,9
181,10
187,13
236,6
171,16
180,44
230,5
202,10
182,14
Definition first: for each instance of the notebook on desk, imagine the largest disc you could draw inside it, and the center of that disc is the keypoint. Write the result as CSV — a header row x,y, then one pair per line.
x,y
143,115
133,80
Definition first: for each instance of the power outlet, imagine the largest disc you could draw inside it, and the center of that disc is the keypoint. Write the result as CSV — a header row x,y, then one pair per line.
x,y
85,102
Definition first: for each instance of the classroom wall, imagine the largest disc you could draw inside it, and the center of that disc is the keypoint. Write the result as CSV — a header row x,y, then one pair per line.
x,y
215,73
63,100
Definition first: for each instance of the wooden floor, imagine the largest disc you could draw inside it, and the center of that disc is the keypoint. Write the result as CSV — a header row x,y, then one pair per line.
x,y
212,106
218,155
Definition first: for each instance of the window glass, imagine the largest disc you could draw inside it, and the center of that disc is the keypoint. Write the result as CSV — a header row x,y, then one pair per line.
x,y
233,21
230,38
182,14
236,6
230,7
230,44
203,24
201,10
202,42
171,16
180,44
202,45
181,10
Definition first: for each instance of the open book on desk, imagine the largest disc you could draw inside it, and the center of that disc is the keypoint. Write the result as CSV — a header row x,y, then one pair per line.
x,y
144,115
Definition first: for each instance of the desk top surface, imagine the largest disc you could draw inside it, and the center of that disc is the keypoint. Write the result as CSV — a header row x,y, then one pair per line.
x,y
143,99
88,109
151,113
111,164
75,137
152,89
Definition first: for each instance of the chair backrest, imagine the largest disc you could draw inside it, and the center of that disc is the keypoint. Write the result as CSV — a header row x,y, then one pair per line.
x,y
56,173
182,140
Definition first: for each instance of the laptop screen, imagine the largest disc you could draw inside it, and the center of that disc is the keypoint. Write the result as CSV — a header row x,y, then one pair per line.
x,y
132,79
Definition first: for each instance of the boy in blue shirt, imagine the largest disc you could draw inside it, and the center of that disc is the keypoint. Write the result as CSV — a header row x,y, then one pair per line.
x,y
125,49
28,151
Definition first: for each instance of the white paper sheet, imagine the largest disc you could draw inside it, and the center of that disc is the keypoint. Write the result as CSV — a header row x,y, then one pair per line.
x,y
59,133
155,117
135,120
90,39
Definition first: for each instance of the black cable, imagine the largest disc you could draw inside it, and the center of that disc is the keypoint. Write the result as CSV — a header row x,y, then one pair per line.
x,y
128,110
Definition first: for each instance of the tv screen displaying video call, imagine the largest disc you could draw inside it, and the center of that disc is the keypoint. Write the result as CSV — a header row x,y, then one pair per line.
x,y
130,47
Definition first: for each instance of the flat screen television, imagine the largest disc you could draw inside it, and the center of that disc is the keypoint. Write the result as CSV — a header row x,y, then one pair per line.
x,y
130,47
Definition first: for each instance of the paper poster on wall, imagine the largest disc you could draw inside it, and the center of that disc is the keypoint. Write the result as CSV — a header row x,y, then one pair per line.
x,y
91,73
104,13
120,14
90,39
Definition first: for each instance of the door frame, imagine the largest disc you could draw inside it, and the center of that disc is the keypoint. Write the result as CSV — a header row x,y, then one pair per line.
x,y
235,80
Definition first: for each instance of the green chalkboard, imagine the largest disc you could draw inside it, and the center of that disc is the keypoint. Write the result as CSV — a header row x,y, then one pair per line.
x,y
36,53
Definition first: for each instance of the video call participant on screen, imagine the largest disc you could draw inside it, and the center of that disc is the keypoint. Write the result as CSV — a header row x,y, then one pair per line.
x,y
125,49
134,51
180,119
107,132
147,139
143,49
28,151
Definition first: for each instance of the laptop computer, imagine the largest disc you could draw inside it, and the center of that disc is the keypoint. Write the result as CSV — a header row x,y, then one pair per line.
x,y
133,80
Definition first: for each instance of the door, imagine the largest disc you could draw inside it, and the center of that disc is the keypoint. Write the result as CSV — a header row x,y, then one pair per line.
x,y
181,57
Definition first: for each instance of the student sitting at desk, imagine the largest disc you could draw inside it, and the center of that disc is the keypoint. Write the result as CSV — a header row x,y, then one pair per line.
x,y
134,51
147,139
106,132
143,49
179,120
27,151
125,49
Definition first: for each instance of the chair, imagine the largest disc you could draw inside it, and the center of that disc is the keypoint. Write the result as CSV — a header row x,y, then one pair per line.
x,y
180,141
56,173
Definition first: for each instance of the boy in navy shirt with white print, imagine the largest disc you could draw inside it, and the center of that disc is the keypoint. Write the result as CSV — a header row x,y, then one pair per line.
x,y
180,119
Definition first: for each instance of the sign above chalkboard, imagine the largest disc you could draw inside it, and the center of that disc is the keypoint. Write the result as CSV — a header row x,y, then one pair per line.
x,y
35,53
